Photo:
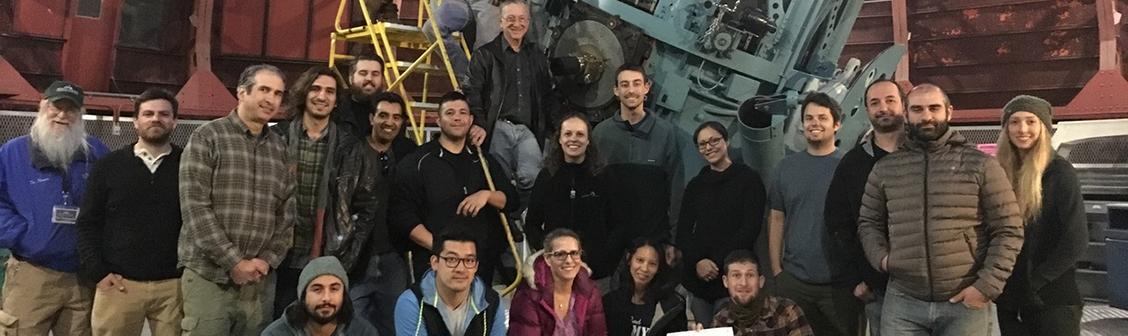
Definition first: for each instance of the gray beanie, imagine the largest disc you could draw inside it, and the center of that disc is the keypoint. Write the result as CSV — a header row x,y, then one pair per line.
x,y
318,267
1038,106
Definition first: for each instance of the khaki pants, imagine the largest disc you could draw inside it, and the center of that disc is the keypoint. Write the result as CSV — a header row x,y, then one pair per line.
x,y
220,309
124,313
37,300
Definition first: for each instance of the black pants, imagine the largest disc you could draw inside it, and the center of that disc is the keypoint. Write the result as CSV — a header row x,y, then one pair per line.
x,y
1043,320
831,310
285,291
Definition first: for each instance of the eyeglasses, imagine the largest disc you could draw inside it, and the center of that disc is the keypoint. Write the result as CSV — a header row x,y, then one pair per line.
x,y
514,19
453,262
711,142
560,256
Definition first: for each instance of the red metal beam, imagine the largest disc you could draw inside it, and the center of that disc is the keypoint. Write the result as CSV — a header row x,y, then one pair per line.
x,y
1107,92
204,95
13,86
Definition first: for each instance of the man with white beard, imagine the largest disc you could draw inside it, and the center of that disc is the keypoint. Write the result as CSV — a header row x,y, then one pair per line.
x,y
42,179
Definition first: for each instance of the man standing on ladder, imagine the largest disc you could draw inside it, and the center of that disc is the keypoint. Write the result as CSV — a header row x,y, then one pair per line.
x,y
512,97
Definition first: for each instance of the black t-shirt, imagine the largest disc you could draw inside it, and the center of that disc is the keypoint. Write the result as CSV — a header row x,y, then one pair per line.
x,y
641,318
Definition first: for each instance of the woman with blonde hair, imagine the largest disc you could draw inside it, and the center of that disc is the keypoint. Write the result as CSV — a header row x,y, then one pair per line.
x,y
1041,296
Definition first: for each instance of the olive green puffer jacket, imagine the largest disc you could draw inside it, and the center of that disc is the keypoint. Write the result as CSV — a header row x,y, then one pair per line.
x,y
945,215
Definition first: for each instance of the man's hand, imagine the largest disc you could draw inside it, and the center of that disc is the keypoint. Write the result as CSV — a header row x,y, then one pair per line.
x,y
261,266
112,282
707,270
863,292
672,255
776,270
971,298
477,135
244,272
473,203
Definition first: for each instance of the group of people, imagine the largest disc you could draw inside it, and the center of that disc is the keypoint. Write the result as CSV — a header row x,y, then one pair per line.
x,y
303,227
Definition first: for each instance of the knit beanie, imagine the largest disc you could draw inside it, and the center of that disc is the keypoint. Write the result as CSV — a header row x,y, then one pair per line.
x,y
318,267
1038,106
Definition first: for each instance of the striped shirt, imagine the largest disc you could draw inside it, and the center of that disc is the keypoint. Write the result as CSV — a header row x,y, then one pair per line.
x,y
236,198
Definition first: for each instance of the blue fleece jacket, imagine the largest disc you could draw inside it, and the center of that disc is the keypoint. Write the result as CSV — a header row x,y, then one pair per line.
x,y
408,310
29,189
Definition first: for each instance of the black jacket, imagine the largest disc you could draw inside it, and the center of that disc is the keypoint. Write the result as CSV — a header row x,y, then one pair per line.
x,y
843,200
487,87
669,316
639,197
721,212
429,185
130,221
573,198
1055,241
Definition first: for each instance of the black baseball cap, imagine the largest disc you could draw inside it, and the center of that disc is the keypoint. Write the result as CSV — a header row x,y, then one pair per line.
x,y
60,90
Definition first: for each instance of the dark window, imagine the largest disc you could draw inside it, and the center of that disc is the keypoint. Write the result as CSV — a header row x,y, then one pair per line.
x,y
90,8
143,23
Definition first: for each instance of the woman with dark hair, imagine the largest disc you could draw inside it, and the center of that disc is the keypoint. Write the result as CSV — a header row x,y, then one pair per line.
x,y
1041,296
645,303
722,211
558,297
568,193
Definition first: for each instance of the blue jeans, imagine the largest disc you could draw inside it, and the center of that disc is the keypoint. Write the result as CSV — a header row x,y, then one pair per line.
x,y
515,147
456,16
905,315
374,295
873,312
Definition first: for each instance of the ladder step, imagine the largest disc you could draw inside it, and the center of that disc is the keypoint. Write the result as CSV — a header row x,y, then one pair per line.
x,y
407,36
424,67
424,106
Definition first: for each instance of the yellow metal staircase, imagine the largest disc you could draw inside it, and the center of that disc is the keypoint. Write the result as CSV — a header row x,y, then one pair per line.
x,y
386,39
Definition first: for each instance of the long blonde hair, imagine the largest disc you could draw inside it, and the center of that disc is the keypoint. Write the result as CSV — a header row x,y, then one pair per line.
x,y
1025,168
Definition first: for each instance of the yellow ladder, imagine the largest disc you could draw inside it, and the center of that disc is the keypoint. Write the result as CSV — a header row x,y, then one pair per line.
x,y
386,38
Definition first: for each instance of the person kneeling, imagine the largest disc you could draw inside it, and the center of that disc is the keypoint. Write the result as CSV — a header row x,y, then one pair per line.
x,y
751,312
322,308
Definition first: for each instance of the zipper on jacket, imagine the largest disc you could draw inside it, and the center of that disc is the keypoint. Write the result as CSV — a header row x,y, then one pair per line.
x,y
572,202
927,247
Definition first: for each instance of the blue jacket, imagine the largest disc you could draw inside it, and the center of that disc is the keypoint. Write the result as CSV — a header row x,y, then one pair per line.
x,y
29,189
409,311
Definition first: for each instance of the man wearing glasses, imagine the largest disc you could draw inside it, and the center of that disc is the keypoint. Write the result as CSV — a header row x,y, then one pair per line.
x,y
451,300
512,97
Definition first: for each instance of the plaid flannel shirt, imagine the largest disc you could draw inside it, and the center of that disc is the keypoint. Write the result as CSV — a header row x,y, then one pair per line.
x,y
781,317
236,199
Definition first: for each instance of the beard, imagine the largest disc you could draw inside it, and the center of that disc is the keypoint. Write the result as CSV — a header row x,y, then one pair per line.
x,y
886,123
317,317
59,146
159,138
917,131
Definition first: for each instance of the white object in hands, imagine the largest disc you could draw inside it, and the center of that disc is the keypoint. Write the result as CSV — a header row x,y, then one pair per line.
x,y
725,331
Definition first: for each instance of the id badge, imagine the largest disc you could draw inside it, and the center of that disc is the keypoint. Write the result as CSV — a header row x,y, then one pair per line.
x,y
64,214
